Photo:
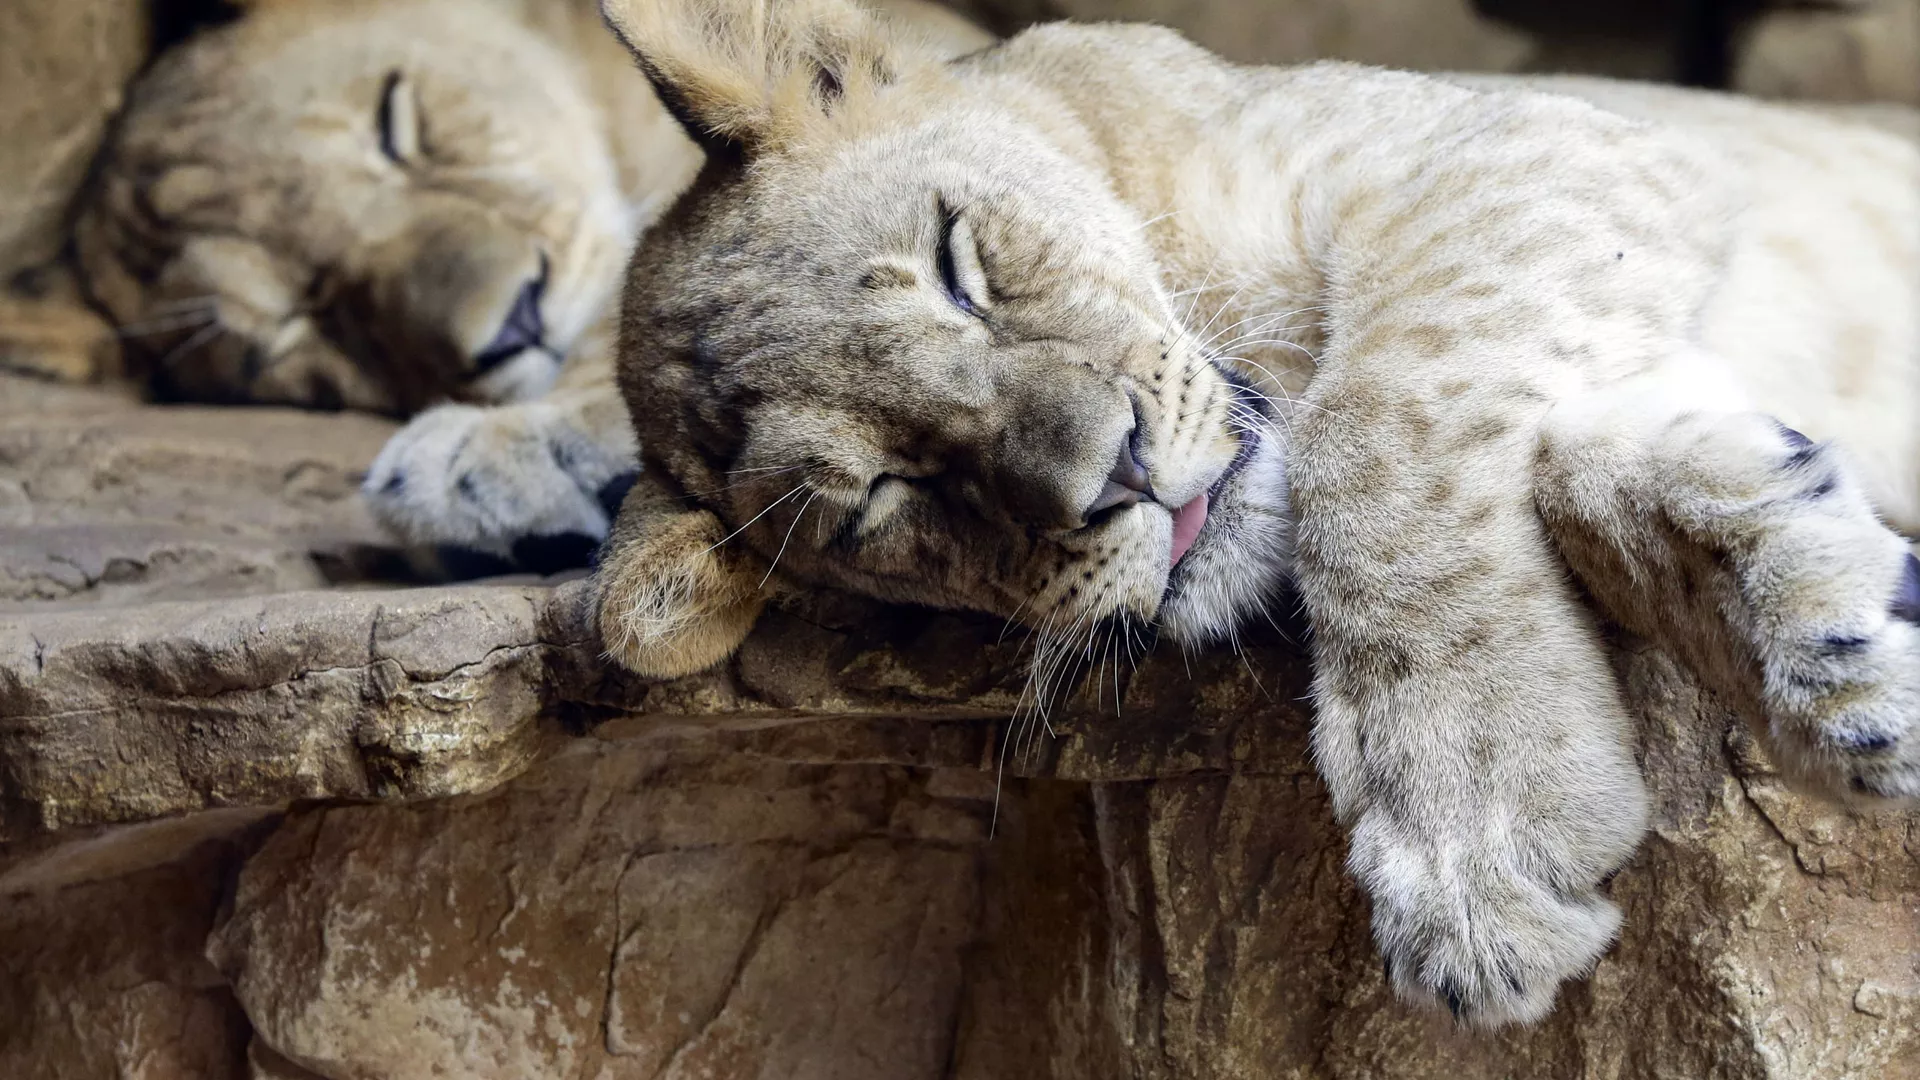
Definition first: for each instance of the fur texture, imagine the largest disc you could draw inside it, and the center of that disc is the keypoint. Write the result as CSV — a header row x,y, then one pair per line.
x,y
384,205
996,334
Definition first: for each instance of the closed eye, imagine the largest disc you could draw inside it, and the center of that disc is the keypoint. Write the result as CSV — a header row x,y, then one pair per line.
x,y
891,495
961,274
398,119
870,512
885,496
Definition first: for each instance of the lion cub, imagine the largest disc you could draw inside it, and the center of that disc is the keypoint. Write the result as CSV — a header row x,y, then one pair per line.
x,y
1093,328
411,207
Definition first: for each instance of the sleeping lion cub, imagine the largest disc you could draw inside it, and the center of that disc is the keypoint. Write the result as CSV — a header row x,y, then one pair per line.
x,y
1095,330
383,204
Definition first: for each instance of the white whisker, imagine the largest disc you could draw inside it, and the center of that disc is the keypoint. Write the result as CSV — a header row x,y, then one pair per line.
x,y
763,513
163,324
783,540
186,348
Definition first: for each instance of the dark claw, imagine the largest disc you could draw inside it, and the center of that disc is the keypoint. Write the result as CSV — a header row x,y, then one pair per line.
x,y
1386,967
1862,743
1804,450
614,492
1906,602
1454,1004
1511,977
1836,643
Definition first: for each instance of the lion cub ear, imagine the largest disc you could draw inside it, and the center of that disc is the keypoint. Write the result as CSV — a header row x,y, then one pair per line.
x,y
671,598
744,75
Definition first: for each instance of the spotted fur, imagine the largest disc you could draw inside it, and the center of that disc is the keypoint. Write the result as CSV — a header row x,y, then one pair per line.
x,y
1450,353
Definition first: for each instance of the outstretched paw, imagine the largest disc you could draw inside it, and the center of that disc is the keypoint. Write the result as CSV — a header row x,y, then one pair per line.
x,y
1832,600
1472,927
501,489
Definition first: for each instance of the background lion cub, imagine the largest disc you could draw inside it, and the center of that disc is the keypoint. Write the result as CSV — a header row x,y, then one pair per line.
x,y
390,204
1098,332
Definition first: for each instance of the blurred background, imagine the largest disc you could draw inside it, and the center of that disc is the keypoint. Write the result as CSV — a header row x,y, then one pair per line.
x,y
1835,50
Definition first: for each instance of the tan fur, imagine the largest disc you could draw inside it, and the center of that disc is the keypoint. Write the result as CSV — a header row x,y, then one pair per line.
x,y
255,243
1489,334
684,599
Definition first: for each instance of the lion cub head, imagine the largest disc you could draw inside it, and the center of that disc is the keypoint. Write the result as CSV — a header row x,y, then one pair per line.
x,y
902,338
368,204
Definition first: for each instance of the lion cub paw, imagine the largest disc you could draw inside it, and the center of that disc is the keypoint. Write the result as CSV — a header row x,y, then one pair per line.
x,y
1833,615
1472,925
515,487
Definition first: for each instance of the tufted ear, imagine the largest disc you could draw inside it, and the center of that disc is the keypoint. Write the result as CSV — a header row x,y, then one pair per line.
x,y
741,75
671,598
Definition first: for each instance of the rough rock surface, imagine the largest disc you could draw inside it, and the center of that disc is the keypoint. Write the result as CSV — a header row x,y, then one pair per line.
x,y
368,830
107,978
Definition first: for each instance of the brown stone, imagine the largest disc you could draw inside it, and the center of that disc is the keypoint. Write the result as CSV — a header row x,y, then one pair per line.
x,y
105,978
1204,927
616,911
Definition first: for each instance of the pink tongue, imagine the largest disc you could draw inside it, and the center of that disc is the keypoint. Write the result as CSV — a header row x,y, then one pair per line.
x,y
1187,522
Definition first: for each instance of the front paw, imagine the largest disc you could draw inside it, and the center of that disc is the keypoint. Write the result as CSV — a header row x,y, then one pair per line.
x,y
492,490
1841,675
1484,926
1832,600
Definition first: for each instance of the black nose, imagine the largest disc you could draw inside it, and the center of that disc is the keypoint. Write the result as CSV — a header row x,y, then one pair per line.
x,y
1127,483
522,329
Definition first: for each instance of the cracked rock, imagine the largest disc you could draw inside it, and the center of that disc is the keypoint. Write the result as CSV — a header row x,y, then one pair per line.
x,y
619,910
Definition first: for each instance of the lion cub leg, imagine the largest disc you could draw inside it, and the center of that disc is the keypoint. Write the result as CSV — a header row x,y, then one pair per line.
x,y
1469,726
1754,554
